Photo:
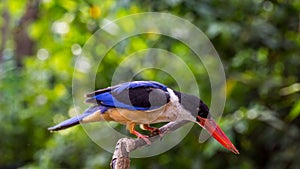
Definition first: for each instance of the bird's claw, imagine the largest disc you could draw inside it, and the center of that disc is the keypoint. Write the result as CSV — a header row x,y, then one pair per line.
x,y
157,132
145,138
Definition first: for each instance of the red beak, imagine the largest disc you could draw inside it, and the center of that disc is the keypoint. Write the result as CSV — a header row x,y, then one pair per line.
x,y
211,126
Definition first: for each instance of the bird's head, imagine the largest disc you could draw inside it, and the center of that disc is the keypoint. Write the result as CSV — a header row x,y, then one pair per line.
x,y
200,111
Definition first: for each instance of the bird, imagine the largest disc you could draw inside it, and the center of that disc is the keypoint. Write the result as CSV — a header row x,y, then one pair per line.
x,y
144,103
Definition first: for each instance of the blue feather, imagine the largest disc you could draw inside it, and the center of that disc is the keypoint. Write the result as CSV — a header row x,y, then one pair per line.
x,y
108,99
135,84
76,120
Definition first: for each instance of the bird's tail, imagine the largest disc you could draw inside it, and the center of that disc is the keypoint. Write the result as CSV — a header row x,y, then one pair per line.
x,y
76,120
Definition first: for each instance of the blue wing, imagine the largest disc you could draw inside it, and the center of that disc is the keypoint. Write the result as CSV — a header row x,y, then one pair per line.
x,y
136,95
136,84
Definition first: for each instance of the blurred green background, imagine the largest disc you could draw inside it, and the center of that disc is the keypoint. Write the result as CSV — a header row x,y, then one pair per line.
x,y
259,45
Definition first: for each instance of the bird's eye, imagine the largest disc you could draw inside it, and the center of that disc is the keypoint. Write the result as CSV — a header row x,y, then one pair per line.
x,y
203,113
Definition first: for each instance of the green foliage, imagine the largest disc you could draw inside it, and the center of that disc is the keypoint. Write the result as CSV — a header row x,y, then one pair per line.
x,y
258,43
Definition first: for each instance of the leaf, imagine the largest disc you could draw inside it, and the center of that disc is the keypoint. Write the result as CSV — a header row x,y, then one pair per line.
x,y
295,112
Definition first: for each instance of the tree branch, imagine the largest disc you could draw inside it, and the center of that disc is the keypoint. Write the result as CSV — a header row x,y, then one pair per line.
x,y
121,159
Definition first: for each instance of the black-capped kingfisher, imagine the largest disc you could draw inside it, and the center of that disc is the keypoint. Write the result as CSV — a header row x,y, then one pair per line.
x,y
145,103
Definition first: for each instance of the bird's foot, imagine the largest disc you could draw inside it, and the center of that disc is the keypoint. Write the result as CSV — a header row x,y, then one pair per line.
x,y
155,132
144,137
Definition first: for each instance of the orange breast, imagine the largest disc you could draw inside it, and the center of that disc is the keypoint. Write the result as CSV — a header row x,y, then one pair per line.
x,y
125,116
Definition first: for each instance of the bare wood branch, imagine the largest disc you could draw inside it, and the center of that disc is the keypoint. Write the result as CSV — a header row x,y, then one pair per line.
x,y
121,158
